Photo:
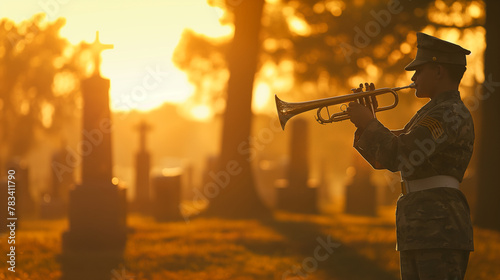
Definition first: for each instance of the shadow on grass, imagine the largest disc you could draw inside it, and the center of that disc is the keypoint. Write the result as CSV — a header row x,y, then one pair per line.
x,y
324,253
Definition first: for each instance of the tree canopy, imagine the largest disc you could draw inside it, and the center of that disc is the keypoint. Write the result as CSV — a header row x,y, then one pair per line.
x,y
326,43
39,82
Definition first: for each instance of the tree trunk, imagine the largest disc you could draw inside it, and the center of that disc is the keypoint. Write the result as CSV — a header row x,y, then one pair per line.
x,y
489,154
232,192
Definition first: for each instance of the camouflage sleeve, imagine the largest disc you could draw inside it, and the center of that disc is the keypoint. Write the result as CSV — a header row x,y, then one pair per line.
x,y
367,152
429,136
376,144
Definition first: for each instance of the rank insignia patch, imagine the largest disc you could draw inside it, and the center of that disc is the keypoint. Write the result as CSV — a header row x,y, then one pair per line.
x,y
433,125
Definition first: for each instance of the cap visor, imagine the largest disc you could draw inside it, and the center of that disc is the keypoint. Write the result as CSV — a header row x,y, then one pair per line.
x,y
413,65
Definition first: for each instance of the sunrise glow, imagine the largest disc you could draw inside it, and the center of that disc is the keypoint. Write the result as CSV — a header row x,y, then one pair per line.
x,y
144,35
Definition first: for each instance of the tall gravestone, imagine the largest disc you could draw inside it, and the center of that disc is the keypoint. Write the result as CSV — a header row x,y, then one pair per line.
x,y
142,168
297,195
95,240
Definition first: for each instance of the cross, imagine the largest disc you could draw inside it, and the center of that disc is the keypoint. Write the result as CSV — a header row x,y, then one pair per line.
x,y
143,127
96,48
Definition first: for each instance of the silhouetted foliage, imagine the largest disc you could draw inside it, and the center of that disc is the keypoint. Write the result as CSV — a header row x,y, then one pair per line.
x,y
39,82
326,43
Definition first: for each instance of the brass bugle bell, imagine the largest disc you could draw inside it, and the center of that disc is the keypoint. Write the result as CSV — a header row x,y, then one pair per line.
x,y
287,110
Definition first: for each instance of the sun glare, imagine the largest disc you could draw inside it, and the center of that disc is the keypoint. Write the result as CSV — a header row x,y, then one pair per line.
x,y
299,26
261,96
201,112
144,35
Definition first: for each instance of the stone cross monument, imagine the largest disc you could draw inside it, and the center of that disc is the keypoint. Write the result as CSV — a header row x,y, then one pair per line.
x,y
96,138
96,237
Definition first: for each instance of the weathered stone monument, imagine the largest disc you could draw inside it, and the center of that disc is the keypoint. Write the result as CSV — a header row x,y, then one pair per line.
x,y
361,194
167,194
389,193
142,202
54,201
297,195
95,240
324,198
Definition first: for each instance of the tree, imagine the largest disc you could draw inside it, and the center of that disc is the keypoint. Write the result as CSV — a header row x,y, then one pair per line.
x,y
38,83
238,197
328,43
488,195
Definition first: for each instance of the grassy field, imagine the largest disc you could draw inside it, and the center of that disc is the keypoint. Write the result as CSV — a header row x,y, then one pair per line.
x,y
289,246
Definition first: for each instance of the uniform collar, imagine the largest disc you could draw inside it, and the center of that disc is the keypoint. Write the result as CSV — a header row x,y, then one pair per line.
x,y
445,95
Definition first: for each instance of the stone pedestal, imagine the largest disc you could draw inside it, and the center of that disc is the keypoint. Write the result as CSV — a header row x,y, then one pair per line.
x,y
303,200
361,194
297,196
360,199
167,194
142,202
388,195
97,218
96,238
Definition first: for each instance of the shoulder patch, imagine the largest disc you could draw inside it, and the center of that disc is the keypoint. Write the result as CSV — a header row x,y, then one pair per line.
x,y
433,125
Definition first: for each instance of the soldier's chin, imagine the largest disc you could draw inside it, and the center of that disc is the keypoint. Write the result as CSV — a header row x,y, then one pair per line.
x,y
419,94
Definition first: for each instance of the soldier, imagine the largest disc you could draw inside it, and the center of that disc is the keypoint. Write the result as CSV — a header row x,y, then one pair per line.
x,y
433,225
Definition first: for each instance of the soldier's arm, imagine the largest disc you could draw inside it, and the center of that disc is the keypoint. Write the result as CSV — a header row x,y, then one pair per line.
x,y
384,149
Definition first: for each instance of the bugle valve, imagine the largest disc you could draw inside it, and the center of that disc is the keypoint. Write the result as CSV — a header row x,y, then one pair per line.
x,y
287,110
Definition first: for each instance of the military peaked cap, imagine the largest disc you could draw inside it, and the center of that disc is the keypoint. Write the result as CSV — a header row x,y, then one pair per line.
x,y
432,49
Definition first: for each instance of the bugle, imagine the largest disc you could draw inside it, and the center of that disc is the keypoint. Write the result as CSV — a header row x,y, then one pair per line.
x,y
287,110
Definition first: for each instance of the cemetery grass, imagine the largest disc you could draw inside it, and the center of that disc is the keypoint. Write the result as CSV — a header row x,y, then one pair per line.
x,y
246,249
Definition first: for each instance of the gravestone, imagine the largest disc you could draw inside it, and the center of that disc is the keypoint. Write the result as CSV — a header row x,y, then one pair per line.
x,y
361,194
324,199
188,182
295,194
53,203
95,240
268,171
142,201
167,196
389,193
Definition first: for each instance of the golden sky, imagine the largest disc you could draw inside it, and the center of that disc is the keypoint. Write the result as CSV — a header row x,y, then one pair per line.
x,y
144,35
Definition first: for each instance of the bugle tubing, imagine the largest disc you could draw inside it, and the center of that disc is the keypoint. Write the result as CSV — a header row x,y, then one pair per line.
x,y
287,110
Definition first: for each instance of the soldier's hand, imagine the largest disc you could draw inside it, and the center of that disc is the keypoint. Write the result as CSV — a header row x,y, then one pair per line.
x,y
373,99
368,101
362,111
359,115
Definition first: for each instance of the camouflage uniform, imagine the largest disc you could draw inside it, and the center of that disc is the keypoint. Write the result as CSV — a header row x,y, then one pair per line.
x,y
434,218
437,141
432,224
435,264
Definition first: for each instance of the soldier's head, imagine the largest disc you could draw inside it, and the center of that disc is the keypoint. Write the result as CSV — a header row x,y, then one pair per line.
x,y
439,65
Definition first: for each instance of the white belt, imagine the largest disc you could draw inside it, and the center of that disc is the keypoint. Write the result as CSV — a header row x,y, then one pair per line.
x,y
439,181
